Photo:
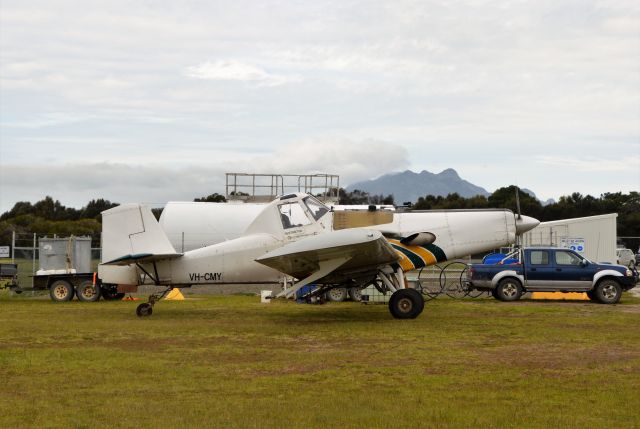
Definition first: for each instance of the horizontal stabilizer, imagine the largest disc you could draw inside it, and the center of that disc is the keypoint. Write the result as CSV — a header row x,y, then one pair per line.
x,y
141,258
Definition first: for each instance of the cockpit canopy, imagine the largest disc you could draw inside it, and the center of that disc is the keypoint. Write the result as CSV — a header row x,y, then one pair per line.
x,y
295,212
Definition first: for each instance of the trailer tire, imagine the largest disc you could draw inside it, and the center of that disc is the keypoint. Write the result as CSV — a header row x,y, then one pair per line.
x,y
508,289
86,291
61,291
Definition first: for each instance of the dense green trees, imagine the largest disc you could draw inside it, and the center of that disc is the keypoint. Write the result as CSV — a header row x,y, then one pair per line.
x,y
49,216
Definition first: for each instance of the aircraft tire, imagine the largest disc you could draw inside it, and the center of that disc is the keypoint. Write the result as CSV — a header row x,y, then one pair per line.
x,y
337,294
406,304
61,291
608,292
86,291
508,289
145,309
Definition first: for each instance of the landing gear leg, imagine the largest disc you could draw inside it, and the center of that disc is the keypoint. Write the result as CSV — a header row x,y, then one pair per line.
x,y
146,309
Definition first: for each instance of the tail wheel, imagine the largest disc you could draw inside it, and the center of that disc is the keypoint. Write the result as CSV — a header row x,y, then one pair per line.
x,y
145,309
508,290
608,292
61,291
406,304
87,291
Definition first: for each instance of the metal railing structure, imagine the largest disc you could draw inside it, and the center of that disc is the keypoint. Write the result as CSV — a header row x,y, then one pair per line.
x,y
266,187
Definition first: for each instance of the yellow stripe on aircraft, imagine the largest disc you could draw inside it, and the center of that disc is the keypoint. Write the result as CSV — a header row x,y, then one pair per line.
x,y
419,253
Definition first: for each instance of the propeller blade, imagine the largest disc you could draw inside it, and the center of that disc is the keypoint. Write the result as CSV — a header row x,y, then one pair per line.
x,y
518,203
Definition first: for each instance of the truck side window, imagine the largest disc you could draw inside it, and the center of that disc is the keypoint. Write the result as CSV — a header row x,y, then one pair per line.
x,y
567,258
539,257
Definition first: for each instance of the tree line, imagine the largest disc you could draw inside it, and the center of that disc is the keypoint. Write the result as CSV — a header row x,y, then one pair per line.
x,y
49,216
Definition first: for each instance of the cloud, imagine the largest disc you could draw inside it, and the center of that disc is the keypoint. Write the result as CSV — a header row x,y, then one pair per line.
x,y
77,183
621,163
237,71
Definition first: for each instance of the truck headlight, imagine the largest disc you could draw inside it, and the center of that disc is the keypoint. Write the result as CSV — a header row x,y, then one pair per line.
x,y
629,273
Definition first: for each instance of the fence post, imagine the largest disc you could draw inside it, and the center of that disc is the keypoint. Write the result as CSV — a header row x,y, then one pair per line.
x,y
33,270
13,247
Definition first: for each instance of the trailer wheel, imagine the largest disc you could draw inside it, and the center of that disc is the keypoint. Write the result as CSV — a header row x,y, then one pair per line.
x,y
509,289
608,292
61,291
86,291
406,304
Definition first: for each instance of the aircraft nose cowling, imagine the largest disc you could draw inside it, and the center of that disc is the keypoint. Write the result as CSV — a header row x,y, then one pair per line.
x,y
526,223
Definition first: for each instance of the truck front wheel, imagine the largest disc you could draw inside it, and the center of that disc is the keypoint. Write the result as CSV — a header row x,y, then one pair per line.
x,y
508,290
61,291
608,292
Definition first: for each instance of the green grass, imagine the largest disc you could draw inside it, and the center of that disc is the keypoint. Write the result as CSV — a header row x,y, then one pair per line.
x,y
235,363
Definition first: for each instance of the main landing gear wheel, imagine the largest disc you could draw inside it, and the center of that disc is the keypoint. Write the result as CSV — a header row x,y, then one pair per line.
x,y
145,309
406,304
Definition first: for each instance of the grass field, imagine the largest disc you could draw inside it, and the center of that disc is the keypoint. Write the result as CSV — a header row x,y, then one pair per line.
x,y
231,362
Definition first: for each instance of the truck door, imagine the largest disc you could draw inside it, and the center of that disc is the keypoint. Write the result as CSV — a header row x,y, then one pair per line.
x,y
570,272
539,270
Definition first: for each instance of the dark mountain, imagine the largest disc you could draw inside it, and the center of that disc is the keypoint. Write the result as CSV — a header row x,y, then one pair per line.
x,y
409,186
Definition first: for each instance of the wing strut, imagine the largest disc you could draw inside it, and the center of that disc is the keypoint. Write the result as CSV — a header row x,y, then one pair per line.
x,y
325,268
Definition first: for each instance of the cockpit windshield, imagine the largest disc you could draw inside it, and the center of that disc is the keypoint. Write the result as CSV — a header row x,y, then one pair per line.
x,y
316,208
292,215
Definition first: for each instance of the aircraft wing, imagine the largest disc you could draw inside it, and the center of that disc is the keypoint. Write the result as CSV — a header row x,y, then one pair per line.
x,y
333,257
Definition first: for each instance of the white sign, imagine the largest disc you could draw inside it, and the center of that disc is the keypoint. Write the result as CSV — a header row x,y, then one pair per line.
x,y
575,244
5,251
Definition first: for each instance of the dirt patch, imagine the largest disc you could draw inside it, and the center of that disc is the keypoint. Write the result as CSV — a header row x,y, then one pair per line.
x,y
554,356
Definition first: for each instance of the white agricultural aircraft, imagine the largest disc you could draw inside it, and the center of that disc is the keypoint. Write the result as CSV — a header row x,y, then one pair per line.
x,y
299,237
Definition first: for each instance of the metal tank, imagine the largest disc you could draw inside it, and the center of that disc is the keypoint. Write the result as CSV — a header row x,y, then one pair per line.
x,y
65,254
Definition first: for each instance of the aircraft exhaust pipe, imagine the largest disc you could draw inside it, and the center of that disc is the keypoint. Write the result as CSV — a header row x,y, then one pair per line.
x,y
419,239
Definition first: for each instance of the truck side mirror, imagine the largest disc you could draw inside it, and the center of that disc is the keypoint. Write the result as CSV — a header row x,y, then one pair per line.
x,y
583,263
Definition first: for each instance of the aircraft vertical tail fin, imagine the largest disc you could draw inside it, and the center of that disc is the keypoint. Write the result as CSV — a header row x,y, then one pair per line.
x,y
131,233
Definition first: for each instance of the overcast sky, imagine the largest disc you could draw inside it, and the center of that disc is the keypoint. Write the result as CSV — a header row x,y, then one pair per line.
x,y
155,100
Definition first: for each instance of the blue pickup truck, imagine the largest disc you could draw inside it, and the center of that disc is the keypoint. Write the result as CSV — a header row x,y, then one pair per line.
x,y
553,270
